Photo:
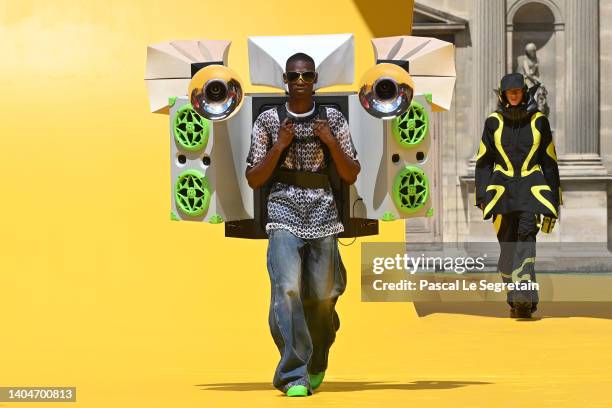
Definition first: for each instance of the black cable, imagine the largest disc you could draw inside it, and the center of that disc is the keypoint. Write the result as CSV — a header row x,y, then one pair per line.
x,y
353,213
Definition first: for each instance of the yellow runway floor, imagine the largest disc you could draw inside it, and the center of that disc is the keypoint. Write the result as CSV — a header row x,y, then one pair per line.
x,y
170,332
384,357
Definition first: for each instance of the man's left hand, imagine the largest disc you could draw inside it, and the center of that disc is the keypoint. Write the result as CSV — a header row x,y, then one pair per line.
x,y
322,131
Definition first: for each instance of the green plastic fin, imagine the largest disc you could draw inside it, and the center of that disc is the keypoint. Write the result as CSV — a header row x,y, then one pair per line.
x,y
171,101
388,216
429,98
216,219
430,212
173,216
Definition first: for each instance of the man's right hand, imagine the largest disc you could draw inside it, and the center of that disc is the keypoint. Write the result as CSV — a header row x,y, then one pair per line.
x,y
285,134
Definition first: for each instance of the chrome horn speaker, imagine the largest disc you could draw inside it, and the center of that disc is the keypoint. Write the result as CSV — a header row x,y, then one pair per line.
x,y
386,91
215,92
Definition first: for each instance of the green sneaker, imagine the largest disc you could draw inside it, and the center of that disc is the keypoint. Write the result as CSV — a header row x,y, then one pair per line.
x,y
297,391
316,379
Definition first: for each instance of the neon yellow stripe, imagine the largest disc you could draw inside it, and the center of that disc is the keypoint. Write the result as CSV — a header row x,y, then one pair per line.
x,y
499,190
535,190
550,150
497,222
509,170
482,149
514,276
525,171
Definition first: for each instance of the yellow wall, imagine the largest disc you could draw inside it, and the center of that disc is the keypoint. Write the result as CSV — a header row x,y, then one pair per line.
x,y
90,263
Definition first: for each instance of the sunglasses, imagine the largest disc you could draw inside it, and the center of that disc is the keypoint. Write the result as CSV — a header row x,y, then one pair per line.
x,y
307,76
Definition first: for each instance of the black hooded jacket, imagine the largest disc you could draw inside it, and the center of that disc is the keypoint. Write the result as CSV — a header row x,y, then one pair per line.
x,y
516,164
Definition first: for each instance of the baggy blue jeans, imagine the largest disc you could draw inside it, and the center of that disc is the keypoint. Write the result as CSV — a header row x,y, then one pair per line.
x,y
307,276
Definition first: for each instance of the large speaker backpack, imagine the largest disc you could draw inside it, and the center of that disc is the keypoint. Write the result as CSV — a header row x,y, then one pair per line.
x,y
329,177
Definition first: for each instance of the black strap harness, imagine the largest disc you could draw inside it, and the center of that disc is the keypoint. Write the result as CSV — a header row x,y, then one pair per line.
x,y
306,179
302,178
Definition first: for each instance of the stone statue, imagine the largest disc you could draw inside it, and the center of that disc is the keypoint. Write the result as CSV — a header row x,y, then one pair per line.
x,y
531,69
531,72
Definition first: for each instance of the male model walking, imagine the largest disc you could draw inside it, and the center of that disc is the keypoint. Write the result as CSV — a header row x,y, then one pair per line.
x,y
295,144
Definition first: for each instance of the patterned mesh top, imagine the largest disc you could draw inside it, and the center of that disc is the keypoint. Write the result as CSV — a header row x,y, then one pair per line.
x,y
306,212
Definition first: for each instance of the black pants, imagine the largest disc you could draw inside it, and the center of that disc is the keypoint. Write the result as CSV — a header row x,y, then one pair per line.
x,y
516,233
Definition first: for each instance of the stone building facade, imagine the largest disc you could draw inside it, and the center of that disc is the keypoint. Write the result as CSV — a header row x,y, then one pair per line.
x,y
574,52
